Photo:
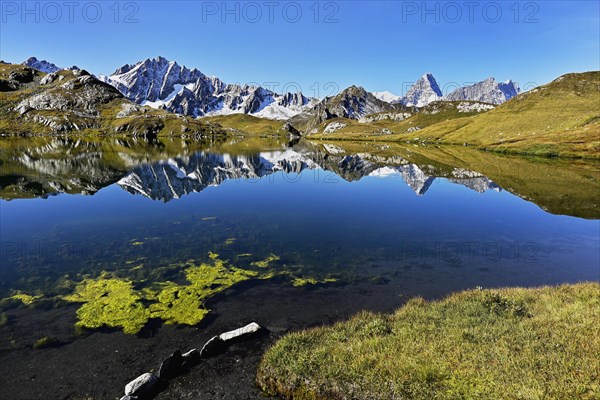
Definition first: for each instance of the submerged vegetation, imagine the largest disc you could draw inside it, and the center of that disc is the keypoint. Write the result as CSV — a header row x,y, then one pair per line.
x,y
531,343
129,302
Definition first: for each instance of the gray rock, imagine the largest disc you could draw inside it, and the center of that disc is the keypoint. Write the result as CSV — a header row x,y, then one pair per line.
x,y
127,397
48,79
142,385
171,366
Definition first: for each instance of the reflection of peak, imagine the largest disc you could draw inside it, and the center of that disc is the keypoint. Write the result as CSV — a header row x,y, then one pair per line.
x,y
414,177
420,181
473,180
171,179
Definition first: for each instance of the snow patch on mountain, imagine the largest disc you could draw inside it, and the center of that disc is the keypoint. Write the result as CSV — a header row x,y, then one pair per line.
x,y
386,96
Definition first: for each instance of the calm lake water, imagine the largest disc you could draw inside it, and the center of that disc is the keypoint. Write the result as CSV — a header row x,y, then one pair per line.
x,y
413,220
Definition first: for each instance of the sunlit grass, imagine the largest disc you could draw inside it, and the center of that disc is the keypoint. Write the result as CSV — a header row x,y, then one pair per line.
x,y
480,344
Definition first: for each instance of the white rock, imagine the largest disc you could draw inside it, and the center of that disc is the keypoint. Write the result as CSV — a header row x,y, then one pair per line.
x,y
334,126
248,329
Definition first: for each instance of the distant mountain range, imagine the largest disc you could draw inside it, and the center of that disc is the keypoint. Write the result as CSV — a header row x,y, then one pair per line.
x,y
165,84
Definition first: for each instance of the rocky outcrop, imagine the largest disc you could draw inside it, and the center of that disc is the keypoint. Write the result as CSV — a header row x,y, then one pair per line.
x,y
83,94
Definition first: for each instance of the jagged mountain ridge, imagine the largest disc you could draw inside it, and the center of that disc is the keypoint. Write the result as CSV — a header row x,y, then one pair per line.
x,y
41,65
486,91
161,83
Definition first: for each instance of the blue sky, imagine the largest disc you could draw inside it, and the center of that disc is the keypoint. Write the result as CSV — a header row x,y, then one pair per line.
x,y
379,45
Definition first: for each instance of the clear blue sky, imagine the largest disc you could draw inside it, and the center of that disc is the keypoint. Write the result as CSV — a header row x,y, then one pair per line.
x,y
379,45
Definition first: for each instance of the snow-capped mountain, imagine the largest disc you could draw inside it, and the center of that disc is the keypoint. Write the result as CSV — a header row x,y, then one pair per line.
x,y
41,65
422,92
487,91
386,96
161,83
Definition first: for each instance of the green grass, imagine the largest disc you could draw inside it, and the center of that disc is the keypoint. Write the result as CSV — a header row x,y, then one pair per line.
x,y
512,343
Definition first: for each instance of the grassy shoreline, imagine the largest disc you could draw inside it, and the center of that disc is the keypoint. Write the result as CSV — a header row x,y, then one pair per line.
x,y
536,152
539,343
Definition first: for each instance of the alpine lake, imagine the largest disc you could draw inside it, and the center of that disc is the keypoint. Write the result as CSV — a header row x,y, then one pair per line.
x,y
117,251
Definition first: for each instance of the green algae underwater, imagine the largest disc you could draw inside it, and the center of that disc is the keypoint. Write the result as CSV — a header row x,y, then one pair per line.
x,y
128,304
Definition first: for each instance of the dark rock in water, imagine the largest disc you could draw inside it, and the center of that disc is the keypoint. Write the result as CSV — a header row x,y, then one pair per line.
x,y
213,347
191,358
142,385
171,366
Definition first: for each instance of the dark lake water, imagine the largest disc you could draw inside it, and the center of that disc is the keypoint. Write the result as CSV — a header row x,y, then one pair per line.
x,y
393,220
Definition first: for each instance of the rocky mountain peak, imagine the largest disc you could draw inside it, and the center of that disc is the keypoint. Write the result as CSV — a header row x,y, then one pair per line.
x,y
41,65
424,91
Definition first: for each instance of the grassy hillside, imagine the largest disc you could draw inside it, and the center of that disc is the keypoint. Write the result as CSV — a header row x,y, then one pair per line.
x,y
480,344
561,118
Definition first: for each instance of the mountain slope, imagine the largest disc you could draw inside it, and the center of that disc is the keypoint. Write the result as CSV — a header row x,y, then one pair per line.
x,y
487,91
68,101
161,83
353,103
560,118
